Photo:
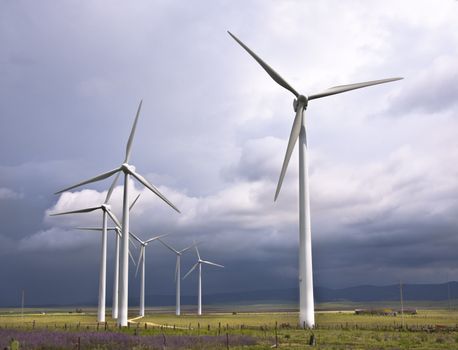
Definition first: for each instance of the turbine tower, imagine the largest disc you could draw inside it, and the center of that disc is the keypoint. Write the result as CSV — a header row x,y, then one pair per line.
x,y
178,253
141,258
128,170
199,264
306,302
106,211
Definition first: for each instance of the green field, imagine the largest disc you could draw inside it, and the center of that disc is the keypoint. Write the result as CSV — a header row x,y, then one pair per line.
x,y
429,329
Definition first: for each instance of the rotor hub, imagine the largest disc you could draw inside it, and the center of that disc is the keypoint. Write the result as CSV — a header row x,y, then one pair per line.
x,y
127,167
106,207
301,100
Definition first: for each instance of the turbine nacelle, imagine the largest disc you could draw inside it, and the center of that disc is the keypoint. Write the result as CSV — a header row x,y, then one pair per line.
x,y
300,100
127,168
105,207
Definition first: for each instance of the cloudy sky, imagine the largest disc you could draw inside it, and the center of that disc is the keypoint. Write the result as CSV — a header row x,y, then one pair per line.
x,y
212,137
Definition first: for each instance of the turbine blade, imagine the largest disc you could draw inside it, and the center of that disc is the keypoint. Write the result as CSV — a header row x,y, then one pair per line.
x,y
139,259
136,238
132,258
112,187
132,134
343,88
89,228
187,248
131,241
168,246
197,251
192,269
114,218
273,74
157,237
135,201
211,263
87,210
145,183
295,131
95,228
94,179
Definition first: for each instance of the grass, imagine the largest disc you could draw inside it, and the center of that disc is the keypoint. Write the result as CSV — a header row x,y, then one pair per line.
x,y
429,329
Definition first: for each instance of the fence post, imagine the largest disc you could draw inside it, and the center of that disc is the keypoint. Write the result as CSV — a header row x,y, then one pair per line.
x,y
79,343
219,328
276,335
227,340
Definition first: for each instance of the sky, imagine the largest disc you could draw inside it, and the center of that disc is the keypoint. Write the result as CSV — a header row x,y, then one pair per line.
x,y
212,136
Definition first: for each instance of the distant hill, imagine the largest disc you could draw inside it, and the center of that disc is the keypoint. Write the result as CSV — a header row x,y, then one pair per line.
x,y
364,293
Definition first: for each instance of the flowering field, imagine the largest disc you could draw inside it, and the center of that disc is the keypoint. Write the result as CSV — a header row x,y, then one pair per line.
x,y
429,329
51,339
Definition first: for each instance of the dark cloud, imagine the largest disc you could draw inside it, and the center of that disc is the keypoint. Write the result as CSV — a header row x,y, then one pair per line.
x,y
212,137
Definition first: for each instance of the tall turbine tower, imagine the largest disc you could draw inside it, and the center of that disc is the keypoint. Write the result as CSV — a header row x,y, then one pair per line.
x,y
141,260
178,253
306,303
128,171
199,292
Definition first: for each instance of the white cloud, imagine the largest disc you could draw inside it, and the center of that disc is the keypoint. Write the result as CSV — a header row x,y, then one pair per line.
x,y
57,239
6,193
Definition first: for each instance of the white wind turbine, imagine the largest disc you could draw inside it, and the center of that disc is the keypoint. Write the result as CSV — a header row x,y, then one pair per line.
x,y
306,303
199,263
177,274
128,171
114,311
141,259
117,229
106,211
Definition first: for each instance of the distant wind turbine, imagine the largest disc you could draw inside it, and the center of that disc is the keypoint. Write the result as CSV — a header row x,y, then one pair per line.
x,y
178,253
306,303
117,229
141,260
199,264
106,210
128,171
114,311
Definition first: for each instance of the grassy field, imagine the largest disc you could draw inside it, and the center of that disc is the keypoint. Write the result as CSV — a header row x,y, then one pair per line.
x,y
429,329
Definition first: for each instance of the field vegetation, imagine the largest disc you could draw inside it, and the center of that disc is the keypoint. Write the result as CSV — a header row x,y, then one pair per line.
x,y
60,329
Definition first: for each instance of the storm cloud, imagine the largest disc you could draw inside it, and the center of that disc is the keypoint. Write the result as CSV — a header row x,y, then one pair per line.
x,y
212,137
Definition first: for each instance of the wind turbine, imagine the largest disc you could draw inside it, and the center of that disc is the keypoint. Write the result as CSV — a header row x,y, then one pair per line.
x,y
106,211
117,229
128,171
199,263
142,258
114,310
177,273
306,303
